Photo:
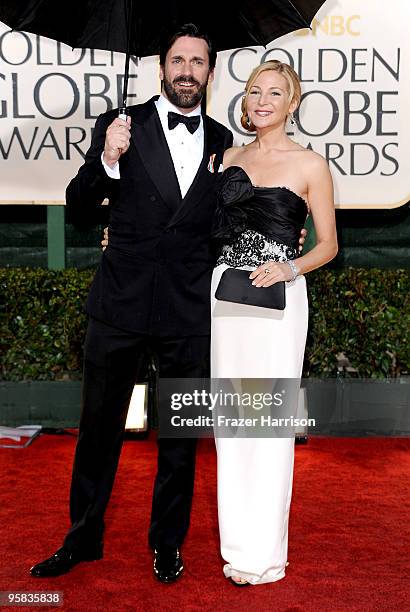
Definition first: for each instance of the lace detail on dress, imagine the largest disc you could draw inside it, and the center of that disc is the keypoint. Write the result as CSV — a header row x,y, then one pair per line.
x,y
253,249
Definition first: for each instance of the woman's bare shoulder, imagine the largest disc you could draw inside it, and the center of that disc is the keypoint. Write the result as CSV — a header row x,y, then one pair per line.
x,y
230,155
311,160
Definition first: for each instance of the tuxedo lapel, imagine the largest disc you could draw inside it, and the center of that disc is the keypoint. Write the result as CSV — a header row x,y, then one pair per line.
x,y
149,139
204,179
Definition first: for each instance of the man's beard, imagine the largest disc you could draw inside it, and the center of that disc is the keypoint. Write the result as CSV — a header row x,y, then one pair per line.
x,y
184,99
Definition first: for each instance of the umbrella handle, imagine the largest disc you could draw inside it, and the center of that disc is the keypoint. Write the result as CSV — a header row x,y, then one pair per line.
x,y
122,112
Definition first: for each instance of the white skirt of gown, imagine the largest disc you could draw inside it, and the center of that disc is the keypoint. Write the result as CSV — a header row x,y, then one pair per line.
x,y
255,475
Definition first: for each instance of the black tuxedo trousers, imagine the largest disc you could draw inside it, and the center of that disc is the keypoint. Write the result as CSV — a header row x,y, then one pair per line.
x,y
114,361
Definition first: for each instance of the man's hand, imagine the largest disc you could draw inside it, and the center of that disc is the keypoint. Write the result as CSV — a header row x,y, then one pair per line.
x,y
104,241
117,140
302,238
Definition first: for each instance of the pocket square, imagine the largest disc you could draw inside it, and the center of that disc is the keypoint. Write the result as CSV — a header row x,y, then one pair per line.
x,y
211,163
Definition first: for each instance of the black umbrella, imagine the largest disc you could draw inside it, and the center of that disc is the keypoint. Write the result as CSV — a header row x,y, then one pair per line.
x,y
135,27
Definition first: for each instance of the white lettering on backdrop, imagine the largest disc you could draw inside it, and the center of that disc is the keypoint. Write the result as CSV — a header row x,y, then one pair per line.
x,y
353,66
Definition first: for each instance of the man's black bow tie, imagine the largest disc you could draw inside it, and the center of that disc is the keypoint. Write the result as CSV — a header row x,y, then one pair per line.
x,y
192,123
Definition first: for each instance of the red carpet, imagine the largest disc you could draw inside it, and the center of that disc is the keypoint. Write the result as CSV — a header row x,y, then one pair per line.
x,y
349,532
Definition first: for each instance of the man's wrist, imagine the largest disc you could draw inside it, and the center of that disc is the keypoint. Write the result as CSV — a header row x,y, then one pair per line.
x,y
109,162
113,171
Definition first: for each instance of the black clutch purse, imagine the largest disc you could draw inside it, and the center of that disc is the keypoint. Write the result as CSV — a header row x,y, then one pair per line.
x,y
236,286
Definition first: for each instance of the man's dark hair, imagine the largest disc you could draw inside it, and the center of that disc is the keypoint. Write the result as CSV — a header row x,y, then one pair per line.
x,y
188,29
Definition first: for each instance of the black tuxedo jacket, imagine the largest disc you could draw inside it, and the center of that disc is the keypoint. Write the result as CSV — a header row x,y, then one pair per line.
x,y
155,275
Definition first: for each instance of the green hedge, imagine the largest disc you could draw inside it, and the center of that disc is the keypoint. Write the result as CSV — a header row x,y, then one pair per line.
x,y
42,323
361,313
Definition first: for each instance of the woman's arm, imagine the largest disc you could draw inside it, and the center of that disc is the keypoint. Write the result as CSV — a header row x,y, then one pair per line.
x,y
322,209
321,203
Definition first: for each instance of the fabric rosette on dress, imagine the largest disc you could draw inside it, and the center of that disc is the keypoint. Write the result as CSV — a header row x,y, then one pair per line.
x,y
230,219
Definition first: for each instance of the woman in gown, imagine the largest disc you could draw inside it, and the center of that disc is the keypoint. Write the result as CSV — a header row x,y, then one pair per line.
x,y
267,189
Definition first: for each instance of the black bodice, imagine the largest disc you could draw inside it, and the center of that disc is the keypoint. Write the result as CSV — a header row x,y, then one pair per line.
x,y
256,224
275,212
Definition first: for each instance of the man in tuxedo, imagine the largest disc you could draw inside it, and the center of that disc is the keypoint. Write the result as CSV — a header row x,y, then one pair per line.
x,y
150,295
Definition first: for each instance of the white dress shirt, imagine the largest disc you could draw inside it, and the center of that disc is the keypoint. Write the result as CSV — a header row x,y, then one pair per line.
x,y
186,149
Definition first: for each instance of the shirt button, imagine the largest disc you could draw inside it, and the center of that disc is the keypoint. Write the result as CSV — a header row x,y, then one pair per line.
x,y
152,198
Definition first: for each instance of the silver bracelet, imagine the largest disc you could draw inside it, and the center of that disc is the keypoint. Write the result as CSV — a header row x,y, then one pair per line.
x,y
293,267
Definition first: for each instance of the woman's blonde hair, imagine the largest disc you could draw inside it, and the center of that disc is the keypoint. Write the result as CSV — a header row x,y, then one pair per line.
x,y
286,71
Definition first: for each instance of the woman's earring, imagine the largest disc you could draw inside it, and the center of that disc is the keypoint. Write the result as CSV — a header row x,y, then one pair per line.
x,y
248,121
292,119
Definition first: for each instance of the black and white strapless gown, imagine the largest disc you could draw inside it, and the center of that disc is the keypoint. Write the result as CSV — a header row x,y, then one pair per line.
x,y
255,225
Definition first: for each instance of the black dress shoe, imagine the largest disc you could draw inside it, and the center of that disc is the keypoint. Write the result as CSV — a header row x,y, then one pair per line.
x,y
63,560
168,564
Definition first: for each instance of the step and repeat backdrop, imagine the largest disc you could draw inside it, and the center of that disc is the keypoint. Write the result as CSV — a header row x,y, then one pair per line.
x,y
353,64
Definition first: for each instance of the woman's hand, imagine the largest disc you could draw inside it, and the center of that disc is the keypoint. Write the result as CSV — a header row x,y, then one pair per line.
x,y
270,273
104,241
